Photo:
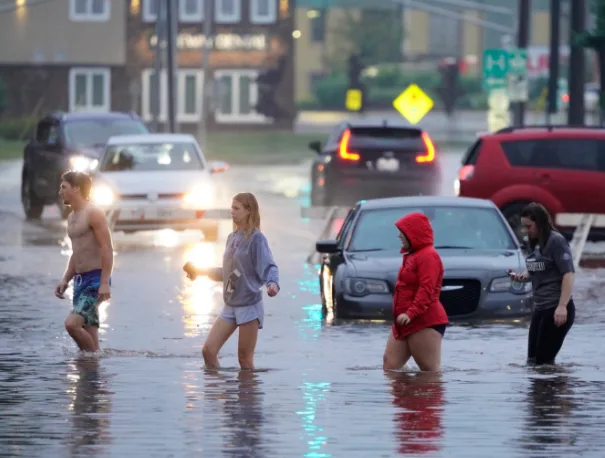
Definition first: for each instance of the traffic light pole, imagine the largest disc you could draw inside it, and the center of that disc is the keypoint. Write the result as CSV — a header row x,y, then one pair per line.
x,y
553,78
158,63
522,43
171,73
576,65
206,77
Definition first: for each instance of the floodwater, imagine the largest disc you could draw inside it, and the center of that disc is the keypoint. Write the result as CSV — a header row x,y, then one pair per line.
x,y
319,391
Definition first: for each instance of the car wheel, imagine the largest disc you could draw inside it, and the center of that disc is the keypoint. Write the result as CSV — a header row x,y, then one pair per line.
x,y
32,206
512,213
320,196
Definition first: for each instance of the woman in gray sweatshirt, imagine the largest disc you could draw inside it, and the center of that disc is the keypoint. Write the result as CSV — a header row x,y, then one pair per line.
x,y
248,265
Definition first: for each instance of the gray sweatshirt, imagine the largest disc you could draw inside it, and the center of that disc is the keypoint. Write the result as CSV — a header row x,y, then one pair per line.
x,y
248,265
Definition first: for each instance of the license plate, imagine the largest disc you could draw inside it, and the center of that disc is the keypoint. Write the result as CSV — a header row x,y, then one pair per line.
x,y
387,164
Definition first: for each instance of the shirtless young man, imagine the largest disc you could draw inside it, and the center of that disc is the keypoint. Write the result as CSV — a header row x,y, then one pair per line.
x,y
90,264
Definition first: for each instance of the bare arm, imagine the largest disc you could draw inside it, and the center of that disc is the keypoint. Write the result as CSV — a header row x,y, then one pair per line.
x,y
70,270
98,224
566,289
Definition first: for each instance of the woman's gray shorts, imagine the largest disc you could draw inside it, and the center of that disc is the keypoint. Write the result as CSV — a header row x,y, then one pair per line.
x,y
244,314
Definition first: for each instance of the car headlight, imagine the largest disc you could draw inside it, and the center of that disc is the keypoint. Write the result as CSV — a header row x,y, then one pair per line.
x,y
202,196
506,285
363,286
102,196
83,163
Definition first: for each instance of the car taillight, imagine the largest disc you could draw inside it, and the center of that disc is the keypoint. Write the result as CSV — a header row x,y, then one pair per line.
x,y
429,156
343,150
466,172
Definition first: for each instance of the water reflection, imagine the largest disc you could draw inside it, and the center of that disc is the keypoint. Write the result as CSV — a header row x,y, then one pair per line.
x,y
551,404
199,297
241,400
313,395
90,407
419,399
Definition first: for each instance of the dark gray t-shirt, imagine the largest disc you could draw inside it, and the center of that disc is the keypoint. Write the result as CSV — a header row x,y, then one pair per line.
x,y
546,268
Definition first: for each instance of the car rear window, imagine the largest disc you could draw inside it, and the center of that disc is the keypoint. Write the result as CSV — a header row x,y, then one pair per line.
x,y
387,137
557,153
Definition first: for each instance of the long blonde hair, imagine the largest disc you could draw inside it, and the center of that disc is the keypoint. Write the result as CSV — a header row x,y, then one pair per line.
x,y
250,203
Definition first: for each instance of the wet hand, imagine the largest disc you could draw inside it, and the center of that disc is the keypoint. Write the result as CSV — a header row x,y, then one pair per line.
x,y
190,270
403,319
104,293
60,289
518,276
272,290
560,316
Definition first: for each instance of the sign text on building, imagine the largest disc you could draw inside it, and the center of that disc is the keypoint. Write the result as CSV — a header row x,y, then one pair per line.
x,y
221,42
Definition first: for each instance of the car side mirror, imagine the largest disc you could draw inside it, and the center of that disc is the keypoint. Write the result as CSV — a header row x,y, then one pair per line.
x,y
327,246
218,166
315,146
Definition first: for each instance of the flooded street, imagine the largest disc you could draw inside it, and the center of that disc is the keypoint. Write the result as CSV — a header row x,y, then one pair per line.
x,y
320,391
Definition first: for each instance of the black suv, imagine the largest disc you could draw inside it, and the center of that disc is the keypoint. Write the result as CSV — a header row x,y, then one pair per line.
x,y
65,141
364,159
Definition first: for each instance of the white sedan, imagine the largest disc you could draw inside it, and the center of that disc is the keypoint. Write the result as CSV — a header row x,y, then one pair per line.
x,y
157,181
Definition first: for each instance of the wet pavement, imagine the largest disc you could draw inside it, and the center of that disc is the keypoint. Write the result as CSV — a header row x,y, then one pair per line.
x,y
320,390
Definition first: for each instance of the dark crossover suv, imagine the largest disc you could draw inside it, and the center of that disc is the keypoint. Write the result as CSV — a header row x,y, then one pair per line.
x,y
65,141
365,159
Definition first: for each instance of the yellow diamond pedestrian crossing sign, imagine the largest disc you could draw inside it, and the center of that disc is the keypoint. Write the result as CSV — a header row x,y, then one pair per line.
x,y
413,104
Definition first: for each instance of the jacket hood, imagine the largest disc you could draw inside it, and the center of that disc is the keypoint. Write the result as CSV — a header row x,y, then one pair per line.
x,y
417,229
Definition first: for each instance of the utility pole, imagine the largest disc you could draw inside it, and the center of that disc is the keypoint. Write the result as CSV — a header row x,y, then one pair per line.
x,y
524,19
206,77
576,64
553,79
171,67
158,64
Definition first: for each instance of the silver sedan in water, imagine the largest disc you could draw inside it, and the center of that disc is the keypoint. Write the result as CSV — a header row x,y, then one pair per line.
x,y
359,268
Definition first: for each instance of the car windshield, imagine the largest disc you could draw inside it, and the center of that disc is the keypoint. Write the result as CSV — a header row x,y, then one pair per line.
x,y
454,227
94,132
151,156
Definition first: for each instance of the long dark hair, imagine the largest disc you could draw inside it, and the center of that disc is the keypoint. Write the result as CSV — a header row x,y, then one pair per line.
x,y
539,215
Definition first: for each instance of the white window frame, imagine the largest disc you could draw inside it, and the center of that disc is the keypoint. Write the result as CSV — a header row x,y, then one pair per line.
x,y
181,116
148,16
226,18
255,18
192,18
89,72
236,117
90,16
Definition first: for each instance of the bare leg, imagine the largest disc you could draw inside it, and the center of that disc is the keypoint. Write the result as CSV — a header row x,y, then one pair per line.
x,y
74,327
219,334
93,331
396,353
425,346
248,334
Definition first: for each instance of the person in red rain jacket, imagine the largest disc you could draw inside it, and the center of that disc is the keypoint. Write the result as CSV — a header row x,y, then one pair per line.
x,y
420,319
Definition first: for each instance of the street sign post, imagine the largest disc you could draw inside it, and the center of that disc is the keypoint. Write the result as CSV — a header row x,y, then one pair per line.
x,y
495,68
517,75
413,104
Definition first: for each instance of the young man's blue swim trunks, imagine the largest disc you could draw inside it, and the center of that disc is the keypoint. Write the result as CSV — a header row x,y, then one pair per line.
x,y
86,297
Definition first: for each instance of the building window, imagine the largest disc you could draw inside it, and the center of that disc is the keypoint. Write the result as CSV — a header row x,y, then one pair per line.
x,y
191,10
189,95
188,10
237,96
89,10
263,11
89,89
318,25
228,11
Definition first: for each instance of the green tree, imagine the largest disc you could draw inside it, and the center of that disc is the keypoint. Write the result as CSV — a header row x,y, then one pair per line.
x,y
375,34
595,39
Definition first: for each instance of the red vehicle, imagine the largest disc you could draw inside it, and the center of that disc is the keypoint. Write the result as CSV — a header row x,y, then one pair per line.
x,y
561,167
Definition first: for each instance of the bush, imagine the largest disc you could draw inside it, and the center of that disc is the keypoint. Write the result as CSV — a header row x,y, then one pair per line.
x,y
17,128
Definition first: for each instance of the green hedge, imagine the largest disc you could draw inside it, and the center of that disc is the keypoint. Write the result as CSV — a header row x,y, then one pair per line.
x,y
382,89
17,128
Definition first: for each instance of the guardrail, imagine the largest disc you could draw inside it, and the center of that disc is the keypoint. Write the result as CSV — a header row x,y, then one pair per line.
x,y
582,222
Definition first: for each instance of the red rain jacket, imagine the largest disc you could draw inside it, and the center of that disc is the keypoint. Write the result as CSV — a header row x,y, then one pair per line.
x,y
419,281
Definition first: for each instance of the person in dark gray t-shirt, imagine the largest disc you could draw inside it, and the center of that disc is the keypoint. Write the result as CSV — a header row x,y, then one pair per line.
x,y
550,268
